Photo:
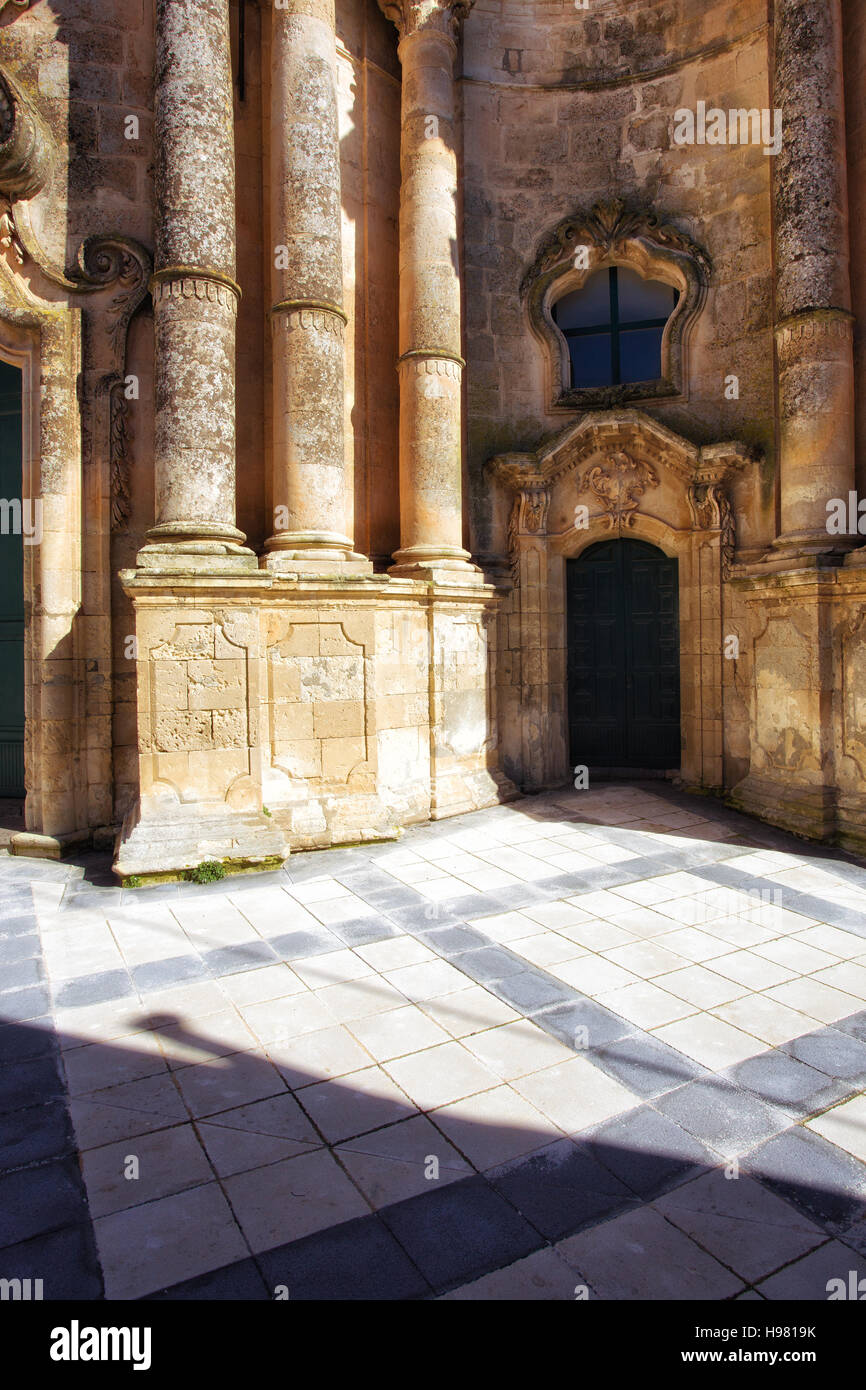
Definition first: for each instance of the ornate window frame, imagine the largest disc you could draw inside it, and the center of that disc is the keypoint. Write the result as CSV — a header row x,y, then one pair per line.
x,y
615,235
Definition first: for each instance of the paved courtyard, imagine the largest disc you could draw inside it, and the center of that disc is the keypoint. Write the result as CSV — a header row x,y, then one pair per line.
x,y
605,1044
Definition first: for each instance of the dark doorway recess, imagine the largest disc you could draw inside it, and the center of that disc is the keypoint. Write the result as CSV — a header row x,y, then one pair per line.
x,y
623,658
11,587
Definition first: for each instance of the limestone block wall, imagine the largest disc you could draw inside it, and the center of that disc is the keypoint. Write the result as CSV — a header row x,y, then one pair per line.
x,y
563,107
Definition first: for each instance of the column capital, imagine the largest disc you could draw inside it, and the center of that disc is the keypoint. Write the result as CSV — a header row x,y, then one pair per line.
x,y
416,16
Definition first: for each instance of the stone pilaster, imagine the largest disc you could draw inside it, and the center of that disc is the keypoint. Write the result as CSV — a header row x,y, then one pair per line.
x,y
312,487
813,294
195,296
430,364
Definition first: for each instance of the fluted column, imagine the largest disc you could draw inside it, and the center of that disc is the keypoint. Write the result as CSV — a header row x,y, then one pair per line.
x,y
430,364
813,293
312,486
195,296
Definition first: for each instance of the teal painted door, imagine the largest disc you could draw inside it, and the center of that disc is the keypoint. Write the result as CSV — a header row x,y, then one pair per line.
x,y
11,591
623,657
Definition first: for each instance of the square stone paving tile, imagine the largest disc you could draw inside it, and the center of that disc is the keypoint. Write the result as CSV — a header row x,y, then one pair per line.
x,y
646,1005
642,1256
228,1082
517,1049
354,1104
742,1224
844,1126
710,1041
172,1239
359,999
647,1151
277,1019
397,1032
645,1064
823,1181
120,1112
495,1126
543,1275
468,1011
832,1051
816,1277
575,1094
817,1001
401,1161
562,1188
783,1081
294,1198
167,1162
764,1018
727,1119
460,1232
438,1075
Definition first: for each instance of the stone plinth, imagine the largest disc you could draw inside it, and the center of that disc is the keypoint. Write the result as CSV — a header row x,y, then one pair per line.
x,y
284,712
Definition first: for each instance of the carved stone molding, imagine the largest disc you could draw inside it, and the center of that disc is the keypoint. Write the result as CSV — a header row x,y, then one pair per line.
x,y
712,511
413,16
26,144
528,518
614,234
16,4
619,484
303,320
422,364
195,286
814,325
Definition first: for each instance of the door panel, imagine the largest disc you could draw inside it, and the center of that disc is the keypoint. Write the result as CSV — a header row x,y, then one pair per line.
x,y
11,592
623,657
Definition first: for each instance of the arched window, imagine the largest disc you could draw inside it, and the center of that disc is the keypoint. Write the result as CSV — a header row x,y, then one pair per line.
x,y
613,326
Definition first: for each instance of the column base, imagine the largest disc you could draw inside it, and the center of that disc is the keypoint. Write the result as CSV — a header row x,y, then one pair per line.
x,y
807,809
812,543
441,565
163,842
313,552
190,545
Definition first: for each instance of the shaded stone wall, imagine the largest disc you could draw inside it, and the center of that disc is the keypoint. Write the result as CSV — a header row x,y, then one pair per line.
x,y
537,149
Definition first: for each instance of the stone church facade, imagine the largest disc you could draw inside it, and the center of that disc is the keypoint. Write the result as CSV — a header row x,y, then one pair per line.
x,y
364,489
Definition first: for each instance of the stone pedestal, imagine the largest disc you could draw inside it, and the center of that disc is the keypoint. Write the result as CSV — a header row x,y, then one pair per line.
x,y
279,713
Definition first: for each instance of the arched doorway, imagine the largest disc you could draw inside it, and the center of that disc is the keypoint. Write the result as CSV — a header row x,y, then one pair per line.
x,y
11,585
623,658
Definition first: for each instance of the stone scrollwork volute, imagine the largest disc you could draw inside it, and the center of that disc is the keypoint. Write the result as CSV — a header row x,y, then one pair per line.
x,y
619,484
528,518
712,511
612,233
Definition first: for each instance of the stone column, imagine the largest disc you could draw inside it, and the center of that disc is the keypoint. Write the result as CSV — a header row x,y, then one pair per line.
x,y
430,364
813,293
195,296
312,487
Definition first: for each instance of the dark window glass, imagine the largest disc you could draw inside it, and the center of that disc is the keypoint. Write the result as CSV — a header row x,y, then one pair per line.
x,y
614,327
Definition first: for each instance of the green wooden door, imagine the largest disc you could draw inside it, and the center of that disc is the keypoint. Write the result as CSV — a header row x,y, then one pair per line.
x,y
623,657
11,591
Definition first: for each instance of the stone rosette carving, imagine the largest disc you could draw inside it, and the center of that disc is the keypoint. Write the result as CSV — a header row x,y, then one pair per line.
x,y
412,16
619,484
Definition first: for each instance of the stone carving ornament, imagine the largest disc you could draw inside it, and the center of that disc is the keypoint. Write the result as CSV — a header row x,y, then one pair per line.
x,y
619,484
615,234
411,15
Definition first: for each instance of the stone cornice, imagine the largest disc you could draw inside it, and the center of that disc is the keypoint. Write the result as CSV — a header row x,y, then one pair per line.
x,y
416,16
